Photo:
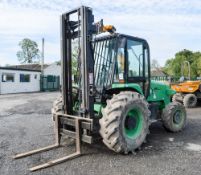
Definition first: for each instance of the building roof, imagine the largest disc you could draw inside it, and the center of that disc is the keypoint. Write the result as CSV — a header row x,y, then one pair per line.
x,y
157,72
32,67
18,69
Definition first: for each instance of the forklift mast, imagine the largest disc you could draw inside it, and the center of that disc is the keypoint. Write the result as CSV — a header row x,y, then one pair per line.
x,y
78,24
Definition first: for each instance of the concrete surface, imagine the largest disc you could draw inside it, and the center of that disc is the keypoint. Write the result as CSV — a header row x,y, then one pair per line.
x,y
25,124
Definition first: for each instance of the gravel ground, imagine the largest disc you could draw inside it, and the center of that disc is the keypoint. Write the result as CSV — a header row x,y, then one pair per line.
x,y
25,124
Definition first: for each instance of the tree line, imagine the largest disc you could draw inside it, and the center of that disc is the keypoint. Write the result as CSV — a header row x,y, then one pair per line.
x,y
173,67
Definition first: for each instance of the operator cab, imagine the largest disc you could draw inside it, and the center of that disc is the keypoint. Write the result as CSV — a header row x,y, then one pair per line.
x,y
121,59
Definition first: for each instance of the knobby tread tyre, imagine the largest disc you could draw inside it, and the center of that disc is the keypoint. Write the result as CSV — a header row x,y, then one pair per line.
x,y
114,115
57,106
168,114
177,98
190,100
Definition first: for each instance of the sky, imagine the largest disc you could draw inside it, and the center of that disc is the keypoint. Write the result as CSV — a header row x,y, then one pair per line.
x,y
168,25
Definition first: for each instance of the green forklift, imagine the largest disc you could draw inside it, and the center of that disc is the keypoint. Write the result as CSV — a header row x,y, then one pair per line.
x,y
111,97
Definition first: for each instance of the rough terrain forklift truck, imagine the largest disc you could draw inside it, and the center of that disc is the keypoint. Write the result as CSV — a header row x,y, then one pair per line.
x,y
112,96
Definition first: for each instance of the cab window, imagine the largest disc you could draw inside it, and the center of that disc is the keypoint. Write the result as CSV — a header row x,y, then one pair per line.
x,y
120,65
135,58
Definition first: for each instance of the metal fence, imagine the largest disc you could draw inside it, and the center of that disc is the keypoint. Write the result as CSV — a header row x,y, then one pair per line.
x,y
160,78
49,83
171,79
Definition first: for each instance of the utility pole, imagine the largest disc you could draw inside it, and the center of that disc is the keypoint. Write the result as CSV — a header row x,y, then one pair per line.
x,y
42,57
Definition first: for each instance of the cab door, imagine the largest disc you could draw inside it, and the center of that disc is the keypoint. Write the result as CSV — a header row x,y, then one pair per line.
x,y
137,63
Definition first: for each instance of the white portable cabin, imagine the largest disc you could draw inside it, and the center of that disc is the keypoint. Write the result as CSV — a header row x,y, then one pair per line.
x,y
53,69
14,80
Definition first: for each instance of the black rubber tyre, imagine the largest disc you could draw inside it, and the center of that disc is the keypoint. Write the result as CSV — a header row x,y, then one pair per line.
x,y
57,106
190,100
174,117
177,98
114,120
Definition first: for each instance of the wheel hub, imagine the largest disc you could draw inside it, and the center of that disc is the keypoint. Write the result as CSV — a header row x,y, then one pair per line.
x,y
191,100
177,117
133,123
130,122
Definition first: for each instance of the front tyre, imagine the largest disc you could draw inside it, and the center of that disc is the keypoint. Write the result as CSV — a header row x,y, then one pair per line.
x,y
125,122
174,117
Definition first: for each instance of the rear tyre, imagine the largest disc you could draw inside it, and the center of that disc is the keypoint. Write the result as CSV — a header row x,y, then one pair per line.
x,y
58,103
190,100
177,98
125,122
57,107
174,117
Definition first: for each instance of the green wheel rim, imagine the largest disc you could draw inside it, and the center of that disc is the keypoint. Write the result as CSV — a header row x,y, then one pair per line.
x,y
133,123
